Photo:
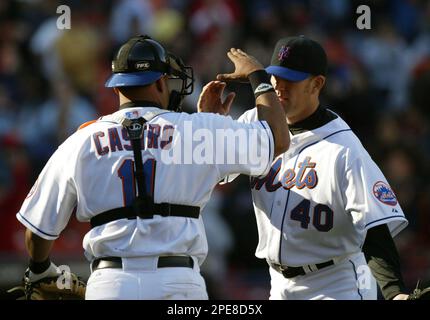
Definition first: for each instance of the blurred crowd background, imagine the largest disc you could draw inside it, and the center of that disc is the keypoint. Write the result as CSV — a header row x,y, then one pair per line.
x,y
52,80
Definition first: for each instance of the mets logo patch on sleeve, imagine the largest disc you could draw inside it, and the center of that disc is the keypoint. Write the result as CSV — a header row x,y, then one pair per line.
x,y
383,193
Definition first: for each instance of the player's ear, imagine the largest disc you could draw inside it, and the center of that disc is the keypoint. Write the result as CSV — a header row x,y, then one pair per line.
x,y
116,91
163,91
161,84
318,83
274,81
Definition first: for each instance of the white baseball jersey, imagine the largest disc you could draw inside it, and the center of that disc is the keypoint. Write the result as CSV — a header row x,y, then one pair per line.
x,y
320,197
92,171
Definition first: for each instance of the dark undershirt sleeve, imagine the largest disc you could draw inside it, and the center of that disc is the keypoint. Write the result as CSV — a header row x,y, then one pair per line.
x,y
383,259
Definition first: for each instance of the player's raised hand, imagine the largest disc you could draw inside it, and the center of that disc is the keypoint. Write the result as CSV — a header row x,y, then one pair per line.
x,y
244,65
210,99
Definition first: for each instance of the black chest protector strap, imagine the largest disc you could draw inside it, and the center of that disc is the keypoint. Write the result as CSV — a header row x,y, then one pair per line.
x,y
135,132
162,209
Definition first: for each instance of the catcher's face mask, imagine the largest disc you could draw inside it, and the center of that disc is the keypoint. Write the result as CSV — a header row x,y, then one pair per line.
x,y
180,82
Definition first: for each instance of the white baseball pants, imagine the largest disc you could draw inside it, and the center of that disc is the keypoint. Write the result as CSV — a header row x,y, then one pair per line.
x,y
140,279
349,279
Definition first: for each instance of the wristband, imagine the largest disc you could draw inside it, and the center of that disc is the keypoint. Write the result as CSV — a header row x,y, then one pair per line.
x,y
260,82
39,267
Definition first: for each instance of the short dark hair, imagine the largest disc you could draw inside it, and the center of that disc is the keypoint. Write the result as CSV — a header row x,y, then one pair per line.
x,y
130,92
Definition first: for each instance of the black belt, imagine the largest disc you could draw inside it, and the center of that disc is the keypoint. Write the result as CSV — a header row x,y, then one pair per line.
x,y
162,209
163,262
291,272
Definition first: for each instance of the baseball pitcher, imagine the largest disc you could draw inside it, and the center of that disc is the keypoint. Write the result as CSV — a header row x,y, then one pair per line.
x,y
325,212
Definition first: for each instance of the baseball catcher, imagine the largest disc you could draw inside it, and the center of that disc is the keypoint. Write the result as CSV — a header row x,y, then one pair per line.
x,y
51,284
144,212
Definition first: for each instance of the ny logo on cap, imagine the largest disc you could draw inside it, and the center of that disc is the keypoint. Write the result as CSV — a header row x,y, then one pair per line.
x,y
284,52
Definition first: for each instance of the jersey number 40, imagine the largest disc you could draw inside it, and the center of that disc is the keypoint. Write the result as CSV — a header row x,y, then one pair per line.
x,y
301,213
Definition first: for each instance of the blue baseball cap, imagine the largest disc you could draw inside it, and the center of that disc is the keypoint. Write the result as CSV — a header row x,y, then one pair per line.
x,y
297,58
132,79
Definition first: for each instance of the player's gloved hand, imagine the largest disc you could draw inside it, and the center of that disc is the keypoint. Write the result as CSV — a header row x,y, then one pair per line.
x,y
210,99
244,65
52,284
419,293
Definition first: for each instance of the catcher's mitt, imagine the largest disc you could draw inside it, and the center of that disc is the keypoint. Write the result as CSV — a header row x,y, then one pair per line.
x,y
65,286
420,294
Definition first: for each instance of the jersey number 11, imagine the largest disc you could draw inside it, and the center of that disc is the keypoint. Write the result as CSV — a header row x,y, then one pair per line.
x,y
126,174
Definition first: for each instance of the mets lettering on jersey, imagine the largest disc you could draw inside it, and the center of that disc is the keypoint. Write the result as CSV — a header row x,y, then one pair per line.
x,y
320,197
289,179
